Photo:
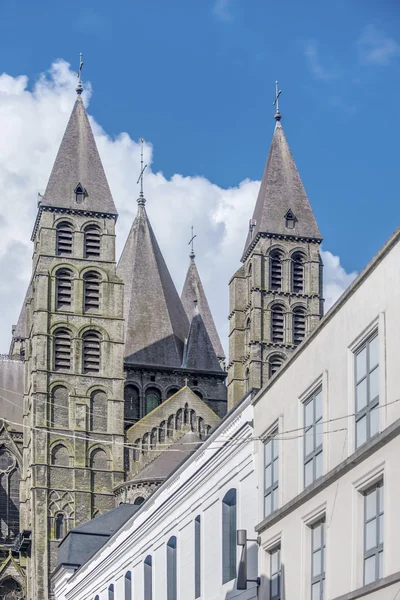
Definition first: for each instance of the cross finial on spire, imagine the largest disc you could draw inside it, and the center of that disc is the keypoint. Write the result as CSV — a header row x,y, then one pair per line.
x,y
141,199
278,92
192,254
79,87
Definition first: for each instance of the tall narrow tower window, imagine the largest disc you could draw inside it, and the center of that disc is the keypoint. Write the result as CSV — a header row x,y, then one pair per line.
x,y
64,288
275,363
59,409
91,352
298,273
98,411
64,239
92,241
277,324
153,399
276,270
91,291
62,350
299,325
59,526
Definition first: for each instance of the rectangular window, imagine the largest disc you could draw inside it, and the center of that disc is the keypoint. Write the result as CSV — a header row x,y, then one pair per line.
x,y
271,474
318,560
275,574
313,437
367,389
373,533
197,557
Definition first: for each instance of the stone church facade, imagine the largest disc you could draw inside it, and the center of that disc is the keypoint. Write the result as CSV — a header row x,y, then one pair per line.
x,y
112,378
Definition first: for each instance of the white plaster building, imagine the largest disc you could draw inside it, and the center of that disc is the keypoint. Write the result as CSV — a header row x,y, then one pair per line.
x,y
328,426
183,538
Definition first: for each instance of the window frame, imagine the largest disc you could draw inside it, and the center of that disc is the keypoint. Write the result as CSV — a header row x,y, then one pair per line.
x,y
229,527
197,557
317,449
320,577
376,551
172,568
275,550
148,578
371,404
272,490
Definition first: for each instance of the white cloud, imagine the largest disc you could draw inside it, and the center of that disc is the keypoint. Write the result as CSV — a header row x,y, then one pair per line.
x,y
376,48
32,123
315,66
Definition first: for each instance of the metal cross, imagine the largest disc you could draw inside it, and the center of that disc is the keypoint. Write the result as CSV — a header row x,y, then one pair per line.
x,y
79,87
278,92
192,255
142,168
186,380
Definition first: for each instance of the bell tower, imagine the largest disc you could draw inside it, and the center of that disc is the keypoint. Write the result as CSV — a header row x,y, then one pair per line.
x,y
73,404
276,295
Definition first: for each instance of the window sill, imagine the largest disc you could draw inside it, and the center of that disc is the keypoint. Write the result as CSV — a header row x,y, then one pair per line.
x,y
371,587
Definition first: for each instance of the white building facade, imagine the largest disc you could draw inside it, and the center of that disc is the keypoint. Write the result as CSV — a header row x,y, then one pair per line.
x,y
328,430
181,543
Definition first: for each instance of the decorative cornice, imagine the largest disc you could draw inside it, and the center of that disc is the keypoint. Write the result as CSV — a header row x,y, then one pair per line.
x,y
77,211
274,236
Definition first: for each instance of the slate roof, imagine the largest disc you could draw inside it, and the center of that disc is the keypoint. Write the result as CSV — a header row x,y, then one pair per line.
x,y
20,328
282,190
199,351
78,161
193,290
156,324
82,542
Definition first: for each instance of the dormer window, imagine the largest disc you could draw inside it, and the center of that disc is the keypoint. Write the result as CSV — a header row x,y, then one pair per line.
x,y
80,193
290,220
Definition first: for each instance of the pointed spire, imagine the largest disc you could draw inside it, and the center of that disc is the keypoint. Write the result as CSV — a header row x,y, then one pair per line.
x,y
192,254
79,87
78,165
156,324
141,200
199,351
193,291
282,206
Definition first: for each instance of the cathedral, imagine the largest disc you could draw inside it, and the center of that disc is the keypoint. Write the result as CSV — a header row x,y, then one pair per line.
x,y
112,378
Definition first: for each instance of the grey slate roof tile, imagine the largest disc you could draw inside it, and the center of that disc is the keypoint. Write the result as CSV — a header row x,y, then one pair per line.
x,y
282,190
156,324
193,290
199,352
78,161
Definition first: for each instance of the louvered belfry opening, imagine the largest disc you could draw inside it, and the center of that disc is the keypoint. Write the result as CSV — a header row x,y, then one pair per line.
x,y
92,241
275,362
62,349
64,288
276,270
277,324
298,273
91,293
64,239
91,352
299,325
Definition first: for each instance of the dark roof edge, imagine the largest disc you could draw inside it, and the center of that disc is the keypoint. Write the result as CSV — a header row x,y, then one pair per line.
x,y
167,368
371,266
89,213
279,236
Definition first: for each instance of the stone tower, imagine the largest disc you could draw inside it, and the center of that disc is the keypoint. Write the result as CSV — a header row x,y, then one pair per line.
x,y
74,379
276,295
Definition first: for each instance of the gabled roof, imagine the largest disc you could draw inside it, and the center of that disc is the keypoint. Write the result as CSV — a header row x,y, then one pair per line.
x,y
193,291
281,190
199,352
156,324
78,162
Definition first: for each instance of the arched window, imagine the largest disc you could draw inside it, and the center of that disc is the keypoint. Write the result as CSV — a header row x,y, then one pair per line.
x,y
229,536
9,496
128,585
148,578
153,399
138,501
59,526
92,241
80,193
161,432
193,420
10,589
276,270
202,428
247,380
136,450
91,352
59,408
98,411
299,325
98,460
275,362
170,426
131,405
64,239
199,394
96,598
277,324
249,282
172,391
171,569
197,557
91,291
111,592
247,335
60,456
153,439
298,273
290,220
62,350
179,419
63,288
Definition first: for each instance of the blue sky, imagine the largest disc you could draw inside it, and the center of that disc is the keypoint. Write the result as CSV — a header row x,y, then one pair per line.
x,y
196,78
